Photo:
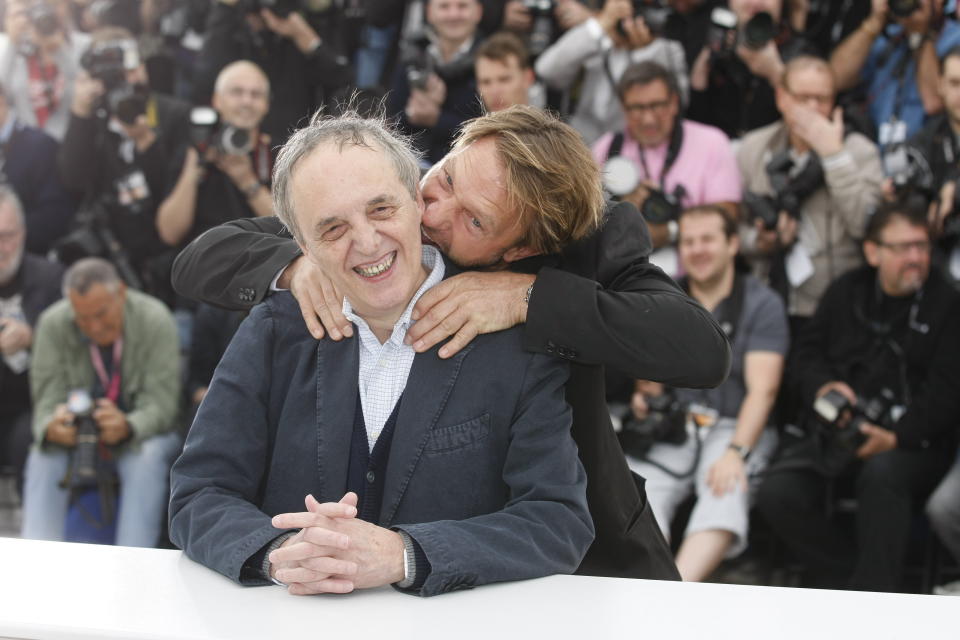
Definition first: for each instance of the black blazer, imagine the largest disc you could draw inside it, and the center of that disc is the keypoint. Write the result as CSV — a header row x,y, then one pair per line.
x,y
483,473
598,303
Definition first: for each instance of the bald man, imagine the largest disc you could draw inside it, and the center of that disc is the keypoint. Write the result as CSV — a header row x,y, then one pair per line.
x,y
223,179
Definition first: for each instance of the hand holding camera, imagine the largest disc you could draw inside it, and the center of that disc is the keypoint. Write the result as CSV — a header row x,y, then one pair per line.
x,y
294,27
60,429
111,421
423,106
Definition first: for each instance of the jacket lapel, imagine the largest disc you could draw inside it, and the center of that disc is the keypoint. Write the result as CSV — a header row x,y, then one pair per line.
x,y
338,365
428,387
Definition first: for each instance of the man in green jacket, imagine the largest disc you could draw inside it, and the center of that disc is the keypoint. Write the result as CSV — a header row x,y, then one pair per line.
x,y
121,347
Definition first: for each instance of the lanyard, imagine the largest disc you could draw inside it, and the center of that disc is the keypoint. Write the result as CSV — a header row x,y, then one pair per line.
x,y
111,386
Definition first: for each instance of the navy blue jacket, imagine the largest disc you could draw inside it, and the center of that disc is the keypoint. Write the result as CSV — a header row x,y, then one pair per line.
x,y
483,472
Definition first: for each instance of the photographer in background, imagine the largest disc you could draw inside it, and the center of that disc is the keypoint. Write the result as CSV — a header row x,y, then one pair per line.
x,y
503,72
228,177
877,365
305,55
602,48
117,151
120,346
39,59
726,442
733,77
26,157
540,22
894,53
668,163
28,285
808,190
434,88
932,177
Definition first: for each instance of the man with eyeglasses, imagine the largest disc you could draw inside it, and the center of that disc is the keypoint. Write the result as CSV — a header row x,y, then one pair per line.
x,y
224,183
808,190
691,164
883,335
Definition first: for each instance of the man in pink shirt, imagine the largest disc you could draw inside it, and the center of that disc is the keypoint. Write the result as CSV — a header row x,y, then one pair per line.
x,y
678,162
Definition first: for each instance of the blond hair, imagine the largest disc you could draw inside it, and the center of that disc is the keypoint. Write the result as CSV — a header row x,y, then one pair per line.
x,y
552,181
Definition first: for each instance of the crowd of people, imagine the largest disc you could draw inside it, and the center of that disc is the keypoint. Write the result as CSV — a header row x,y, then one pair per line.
x,y
795,163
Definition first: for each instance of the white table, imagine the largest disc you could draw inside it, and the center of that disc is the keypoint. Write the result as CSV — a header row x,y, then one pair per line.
x,y
73,591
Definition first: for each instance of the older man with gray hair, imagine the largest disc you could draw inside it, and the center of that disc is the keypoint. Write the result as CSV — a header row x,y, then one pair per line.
x,y
120,347
28,285
329,466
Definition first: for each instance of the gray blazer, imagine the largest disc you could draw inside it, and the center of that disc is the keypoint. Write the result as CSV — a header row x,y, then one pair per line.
x,y
483,472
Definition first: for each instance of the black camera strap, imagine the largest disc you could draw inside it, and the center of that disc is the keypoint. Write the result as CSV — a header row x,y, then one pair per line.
x,y
673,152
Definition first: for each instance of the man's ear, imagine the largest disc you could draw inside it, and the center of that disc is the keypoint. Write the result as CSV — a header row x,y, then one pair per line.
x,y
519,252
871,252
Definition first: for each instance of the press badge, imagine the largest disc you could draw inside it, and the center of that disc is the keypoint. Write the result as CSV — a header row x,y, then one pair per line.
x,y
132,189
893,131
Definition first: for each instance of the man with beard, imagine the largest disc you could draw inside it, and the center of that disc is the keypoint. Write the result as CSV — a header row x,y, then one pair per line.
x,y
28,285
883,340
593,301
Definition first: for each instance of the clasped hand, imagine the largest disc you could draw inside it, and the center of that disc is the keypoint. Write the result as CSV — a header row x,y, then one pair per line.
x,y
334,551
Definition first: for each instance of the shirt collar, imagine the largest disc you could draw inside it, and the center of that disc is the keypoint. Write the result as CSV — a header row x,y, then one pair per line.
x,y
431,259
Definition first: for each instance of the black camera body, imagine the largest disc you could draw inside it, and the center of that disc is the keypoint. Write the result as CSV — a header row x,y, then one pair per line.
x,y
845,419
43,16
208,131
909,171
83,472
543,26
661,207
417,62
790,190
109,62
725,32
666,421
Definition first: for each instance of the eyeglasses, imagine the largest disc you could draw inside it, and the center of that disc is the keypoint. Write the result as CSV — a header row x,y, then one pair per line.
x,y
653,107
900,248
10,236
820,99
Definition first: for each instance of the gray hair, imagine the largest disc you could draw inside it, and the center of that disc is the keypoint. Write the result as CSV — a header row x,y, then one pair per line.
x,y
347,129
9,196
85,273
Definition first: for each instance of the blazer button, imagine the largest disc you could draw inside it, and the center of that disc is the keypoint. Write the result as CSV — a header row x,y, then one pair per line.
x,y
371,477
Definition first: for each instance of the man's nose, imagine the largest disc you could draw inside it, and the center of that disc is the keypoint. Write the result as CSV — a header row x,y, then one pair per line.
x,y
366,238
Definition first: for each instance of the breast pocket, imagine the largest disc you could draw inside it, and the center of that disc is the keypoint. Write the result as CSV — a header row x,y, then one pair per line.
x,y
459,437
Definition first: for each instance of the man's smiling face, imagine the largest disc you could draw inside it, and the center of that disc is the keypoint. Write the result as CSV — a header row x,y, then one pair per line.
x,y
361,226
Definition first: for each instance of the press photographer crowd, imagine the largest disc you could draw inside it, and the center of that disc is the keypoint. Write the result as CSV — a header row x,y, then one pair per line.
x,y
787,169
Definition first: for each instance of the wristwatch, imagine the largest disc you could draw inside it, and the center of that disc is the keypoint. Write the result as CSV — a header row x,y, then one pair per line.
x,y
742,450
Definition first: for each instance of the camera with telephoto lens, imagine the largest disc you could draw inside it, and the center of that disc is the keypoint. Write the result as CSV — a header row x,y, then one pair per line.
x,y
725,31
620,177
207,131
43,16
109,62
543,26
666,421
903,8
790,190
83,471
416,61
844,419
